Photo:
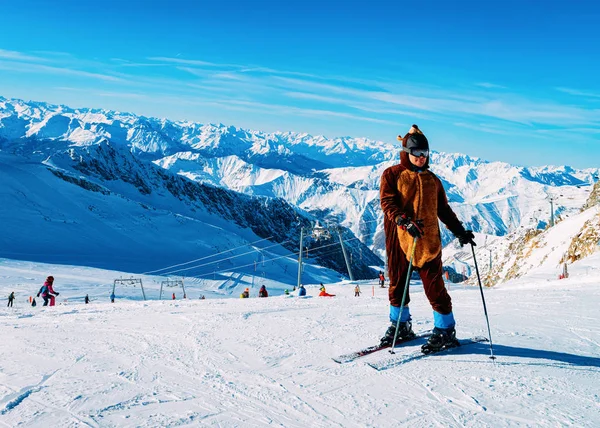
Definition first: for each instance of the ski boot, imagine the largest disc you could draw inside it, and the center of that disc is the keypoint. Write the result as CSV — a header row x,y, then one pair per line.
x,y
405,333
439,340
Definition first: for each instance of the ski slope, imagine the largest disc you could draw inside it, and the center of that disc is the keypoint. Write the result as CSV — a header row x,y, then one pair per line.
x,y
254,362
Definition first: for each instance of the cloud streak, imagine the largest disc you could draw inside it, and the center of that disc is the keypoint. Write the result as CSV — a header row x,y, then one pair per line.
x,y
18,56
280,92
39,68
579,93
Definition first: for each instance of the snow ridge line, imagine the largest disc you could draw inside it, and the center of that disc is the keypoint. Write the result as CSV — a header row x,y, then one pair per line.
x,y
18,400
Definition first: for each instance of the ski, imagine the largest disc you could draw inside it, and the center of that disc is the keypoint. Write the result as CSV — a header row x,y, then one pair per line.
x,y
398,360
347,358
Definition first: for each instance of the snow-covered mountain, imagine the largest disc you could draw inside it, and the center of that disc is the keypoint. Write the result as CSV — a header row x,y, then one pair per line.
x,y
331,179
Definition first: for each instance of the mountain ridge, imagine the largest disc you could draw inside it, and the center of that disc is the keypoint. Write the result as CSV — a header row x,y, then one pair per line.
x,y
335,180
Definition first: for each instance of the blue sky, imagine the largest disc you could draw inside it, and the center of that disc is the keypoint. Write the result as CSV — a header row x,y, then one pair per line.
x,y
515,81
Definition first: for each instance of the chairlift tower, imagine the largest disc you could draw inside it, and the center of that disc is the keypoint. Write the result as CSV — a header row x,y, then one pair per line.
x,y
345,254
300,257
171,283
129,281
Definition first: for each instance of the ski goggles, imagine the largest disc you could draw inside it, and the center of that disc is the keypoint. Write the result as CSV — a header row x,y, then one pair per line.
x,y
417,152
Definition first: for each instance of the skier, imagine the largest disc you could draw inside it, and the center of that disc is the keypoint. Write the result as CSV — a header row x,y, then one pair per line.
x,y
357,291
51,293
87,299
412,199
11,298
245,294
173,297
301,291
263,292
381,279
324,292
47,291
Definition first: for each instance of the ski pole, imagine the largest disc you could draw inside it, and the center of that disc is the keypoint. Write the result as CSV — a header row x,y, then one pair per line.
x,y
412,255
483,300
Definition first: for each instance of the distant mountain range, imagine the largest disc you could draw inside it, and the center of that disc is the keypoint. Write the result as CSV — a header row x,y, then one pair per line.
x,y
184,168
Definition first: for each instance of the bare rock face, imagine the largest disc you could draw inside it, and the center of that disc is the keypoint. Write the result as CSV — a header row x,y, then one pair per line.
x,y
594,198
586,242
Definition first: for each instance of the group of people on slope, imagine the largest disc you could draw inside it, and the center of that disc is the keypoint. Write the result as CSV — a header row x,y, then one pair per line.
x,y
46,292
301,292
261,293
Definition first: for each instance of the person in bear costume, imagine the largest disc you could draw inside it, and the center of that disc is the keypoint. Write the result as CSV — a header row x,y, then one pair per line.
x,y
413,199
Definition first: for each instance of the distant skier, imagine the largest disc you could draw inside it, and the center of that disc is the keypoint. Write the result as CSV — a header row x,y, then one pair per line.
x,y
357,291
173,296
51,293
87,299
413,199
301,291
381,279
11,298
47,292
324,292
245,294
263,292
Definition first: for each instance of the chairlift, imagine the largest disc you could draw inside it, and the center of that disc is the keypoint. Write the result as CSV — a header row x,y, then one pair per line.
x,y
319,232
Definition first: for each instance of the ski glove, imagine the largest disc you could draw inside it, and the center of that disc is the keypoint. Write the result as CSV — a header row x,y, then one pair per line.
x,y
466,238
56,293
414,228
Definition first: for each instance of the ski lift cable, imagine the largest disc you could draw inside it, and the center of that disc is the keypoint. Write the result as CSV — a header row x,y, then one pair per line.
x,y
266,260
224,259
238,255
227,258
170,272
206,257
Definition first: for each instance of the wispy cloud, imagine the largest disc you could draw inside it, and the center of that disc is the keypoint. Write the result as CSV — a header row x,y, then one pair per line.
x,y
487,128
33,68
280,92
186,61
490,85
579,93
314,97
19,56
284,109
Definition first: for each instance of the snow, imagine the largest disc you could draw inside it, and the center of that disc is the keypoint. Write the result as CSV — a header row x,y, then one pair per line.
x,y
267,362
